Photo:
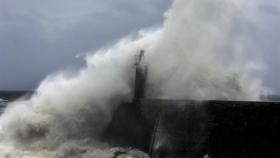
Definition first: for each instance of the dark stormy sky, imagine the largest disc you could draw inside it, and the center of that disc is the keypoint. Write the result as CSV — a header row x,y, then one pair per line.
x,y
41,37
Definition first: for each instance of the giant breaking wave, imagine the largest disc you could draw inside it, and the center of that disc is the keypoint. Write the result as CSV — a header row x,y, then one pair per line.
x,y
196,54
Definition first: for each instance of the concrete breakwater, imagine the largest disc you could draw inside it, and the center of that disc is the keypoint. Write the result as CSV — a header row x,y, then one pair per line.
x,y
166,128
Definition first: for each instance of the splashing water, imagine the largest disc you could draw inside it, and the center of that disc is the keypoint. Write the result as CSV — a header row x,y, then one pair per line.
x,y
196,54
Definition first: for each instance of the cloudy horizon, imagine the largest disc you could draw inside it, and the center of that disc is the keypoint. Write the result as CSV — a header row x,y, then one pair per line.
x,y
39,38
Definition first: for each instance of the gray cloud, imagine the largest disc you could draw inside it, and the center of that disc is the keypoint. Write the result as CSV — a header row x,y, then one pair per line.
x,y
40,37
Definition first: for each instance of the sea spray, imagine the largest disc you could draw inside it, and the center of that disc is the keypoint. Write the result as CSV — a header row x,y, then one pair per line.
x,y
71,113
195,58
192,56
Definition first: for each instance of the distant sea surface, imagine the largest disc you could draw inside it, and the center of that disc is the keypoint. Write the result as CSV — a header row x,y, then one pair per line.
x,y
7,96
3,104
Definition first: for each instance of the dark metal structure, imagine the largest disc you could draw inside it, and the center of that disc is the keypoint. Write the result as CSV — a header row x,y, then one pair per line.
x,y
141,72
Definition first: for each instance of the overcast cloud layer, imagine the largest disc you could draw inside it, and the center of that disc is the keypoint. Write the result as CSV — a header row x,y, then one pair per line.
x,y
40,37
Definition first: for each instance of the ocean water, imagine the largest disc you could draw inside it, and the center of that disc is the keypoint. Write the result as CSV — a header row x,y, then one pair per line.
x,y
9,96
3,104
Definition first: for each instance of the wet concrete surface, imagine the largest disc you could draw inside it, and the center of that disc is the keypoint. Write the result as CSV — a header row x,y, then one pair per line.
x,y
170,128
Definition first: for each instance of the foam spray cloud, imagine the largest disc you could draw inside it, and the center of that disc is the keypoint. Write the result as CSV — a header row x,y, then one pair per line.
x,y
200,54
194,55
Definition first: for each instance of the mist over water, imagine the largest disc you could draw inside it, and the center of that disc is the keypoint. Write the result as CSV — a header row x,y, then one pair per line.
x,y
196,54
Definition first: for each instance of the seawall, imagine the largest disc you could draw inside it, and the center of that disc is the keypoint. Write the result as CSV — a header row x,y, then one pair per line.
x,y
182,128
